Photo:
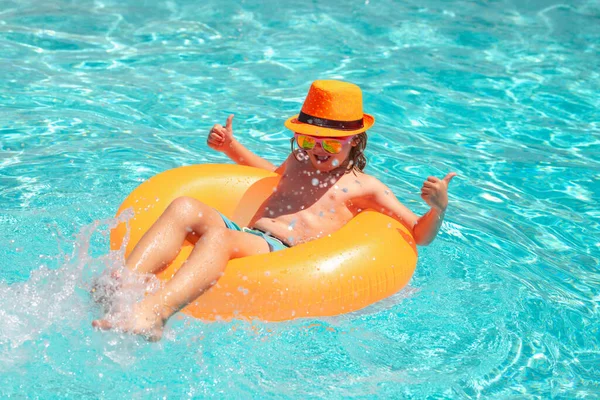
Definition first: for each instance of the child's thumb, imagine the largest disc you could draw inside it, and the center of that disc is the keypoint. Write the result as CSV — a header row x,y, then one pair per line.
x,y
449,177
228,123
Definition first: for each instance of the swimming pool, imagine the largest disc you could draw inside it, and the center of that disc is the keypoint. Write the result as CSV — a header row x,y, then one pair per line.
x,y
98,96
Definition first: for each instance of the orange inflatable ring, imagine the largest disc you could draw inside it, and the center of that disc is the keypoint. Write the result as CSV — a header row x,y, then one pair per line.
x,y
369,259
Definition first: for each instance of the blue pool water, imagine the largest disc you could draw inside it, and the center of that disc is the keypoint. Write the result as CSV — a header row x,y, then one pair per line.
x,y
97,96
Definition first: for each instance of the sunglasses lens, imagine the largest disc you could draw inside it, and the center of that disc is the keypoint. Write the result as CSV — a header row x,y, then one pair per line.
x,y
305,142
332,146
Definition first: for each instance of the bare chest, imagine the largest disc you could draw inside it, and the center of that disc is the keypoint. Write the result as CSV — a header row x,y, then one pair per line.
x,y
311,203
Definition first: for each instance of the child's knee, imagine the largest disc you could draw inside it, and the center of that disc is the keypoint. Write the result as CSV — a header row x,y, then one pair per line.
x,y
194,215
185,206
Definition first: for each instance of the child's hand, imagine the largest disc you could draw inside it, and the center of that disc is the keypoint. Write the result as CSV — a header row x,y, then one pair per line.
x,y
435,191
220,137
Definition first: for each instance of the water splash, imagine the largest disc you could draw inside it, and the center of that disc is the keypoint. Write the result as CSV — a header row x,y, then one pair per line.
x,y
54,299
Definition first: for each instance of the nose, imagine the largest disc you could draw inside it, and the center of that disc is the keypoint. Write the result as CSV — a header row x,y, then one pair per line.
x,y
319,148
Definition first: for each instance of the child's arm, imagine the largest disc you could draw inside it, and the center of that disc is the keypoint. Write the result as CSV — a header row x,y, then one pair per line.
x,y
425,228
221,139
435,193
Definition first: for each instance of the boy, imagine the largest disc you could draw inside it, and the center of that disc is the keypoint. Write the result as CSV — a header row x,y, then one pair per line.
x,y
322,187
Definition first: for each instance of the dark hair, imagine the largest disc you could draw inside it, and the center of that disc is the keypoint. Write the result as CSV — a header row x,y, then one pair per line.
x,y
356,159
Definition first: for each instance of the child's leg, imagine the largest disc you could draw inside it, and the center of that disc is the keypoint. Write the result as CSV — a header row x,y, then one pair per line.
x,y
159,245
162,242
203,268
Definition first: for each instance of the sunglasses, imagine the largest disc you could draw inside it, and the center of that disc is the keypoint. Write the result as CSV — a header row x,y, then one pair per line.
x,y
331,146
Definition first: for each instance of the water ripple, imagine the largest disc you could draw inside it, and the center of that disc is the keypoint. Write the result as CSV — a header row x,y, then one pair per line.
x,y
98,97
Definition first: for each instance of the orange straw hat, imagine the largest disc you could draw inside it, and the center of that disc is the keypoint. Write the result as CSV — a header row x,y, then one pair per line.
x,y
333,109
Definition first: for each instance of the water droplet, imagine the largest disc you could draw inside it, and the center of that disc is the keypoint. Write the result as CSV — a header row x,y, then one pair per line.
x,y
335,162
314,181
200,214
292,224
345,190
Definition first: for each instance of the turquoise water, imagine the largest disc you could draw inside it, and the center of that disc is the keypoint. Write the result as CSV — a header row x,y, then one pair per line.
x,y
98,96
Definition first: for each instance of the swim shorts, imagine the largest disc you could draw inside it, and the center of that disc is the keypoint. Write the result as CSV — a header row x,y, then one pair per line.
x,y
274,243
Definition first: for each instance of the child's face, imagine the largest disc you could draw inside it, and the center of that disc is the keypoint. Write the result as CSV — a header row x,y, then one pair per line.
x,y
325,153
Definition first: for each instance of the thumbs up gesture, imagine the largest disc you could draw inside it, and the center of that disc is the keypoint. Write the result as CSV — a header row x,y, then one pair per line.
x,y
435,191
219,137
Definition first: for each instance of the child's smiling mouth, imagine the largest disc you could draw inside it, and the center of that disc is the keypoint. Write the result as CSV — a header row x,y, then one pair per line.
x,y
322,158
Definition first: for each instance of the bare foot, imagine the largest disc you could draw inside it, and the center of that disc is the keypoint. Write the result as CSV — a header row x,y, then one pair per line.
x,y
105,287
140,322
120,286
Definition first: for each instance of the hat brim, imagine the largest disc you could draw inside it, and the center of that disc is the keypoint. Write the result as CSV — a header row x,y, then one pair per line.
x,y
300,127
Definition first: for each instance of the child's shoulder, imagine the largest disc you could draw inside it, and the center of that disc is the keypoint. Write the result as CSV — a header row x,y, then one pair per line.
x,y
365,183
